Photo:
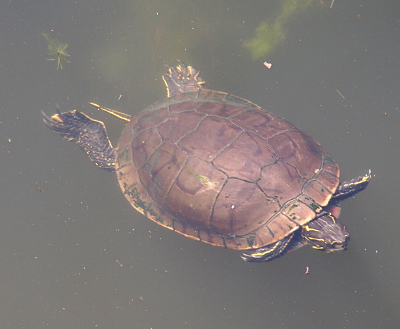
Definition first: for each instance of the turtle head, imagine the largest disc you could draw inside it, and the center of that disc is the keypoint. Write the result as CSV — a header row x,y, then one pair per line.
x,y
326,233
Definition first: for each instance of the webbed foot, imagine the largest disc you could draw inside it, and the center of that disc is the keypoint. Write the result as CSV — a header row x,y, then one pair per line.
x,y
89,134
182,78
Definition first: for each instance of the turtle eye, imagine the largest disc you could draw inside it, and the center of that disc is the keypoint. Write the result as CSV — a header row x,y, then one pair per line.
x,y
326,233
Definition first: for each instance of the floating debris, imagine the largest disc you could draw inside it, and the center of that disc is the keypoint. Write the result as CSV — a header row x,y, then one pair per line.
x,y
58,49
340,94
267,65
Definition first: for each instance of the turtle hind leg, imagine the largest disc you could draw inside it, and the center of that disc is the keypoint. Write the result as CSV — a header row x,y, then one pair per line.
x,y
182,78
269,252
89,134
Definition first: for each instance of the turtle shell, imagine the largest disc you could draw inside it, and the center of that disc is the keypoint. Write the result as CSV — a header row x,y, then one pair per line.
x,y
220,169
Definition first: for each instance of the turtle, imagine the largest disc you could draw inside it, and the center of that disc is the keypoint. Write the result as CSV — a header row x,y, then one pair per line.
x,y
220,169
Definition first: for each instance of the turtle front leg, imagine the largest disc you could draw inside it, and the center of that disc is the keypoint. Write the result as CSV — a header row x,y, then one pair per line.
x,y
89,134
269,252
347,189
182,78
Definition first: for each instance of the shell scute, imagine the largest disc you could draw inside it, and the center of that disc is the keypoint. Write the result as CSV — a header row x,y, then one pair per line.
x,y
183,107
144,145
254,119
159,173
278,227
245,157
281,181
315,190
298,150
150,119
212,136
193,193
221,109
179,125
241,208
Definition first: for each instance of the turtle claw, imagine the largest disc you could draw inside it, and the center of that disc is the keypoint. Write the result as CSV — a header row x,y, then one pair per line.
x,y
182,78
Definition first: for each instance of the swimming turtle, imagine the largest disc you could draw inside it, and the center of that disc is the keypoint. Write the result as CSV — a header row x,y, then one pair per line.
x,y
221,170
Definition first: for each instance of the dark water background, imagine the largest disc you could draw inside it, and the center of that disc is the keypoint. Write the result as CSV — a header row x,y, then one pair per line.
x,y
74,254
